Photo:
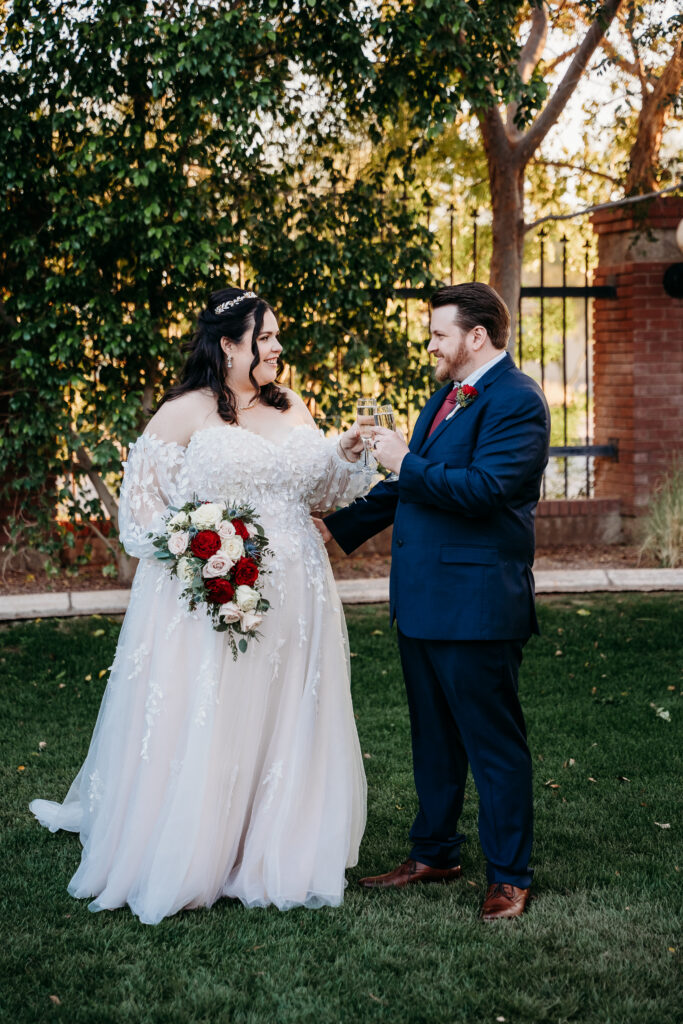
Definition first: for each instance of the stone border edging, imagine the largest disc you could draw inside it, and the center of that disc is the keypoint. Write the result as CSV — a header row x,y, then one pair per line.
x,y
369,591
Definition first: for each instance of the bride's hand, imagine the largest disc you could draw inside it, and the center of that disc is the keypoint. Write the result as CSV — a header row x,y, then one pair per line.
x,y
351,444
322,529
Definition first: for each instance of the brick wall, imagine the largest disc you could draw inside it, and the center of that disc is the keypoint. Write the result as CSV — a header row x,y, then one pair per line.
x,y
637,351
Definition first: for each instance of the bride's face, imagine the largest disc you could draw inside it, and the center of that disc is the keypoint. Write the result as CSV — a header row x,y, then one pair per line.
x,y
269,349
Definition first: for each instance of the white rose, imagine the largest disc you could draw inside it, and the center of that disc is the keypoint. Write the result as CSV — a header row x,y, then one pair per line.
x,y
229,612
179,521
226,529
177,542
247,598
250,620
185,570
218,565
208,516
232,547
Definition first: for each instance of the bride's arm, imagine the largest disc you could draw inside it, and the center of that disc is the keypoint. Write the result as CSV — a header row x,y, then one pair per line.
x,y
154,473
152,480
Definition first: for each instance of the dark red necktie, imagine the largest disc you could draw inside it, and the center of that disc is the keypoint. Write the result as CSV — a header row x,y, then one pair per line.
x,y
449,404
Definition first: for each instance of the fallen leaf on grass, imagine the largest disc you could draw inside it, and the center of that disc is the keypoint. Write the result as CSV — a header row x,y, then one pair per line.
x,y
671,687
377,632
664,714
367,756
622,778
98,632
663,824
472,883
42,745
88,678
551,783
501,1019
21,768
558,654
569,763
591,779
377,999
672,949
582,611
56,1000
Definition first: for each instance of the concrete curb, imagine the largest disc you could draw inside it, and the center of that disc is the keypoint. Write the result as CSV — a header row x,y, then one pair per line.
x,y
369,591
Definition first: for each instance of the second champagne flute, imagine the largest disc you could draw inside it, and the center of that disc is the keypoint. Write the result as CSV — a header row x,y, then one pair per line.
x,y
384,417
365,411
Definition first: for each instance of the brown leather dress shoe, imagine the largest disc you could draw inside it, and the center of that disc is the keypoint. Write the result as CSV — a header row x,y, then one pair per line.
x,y
408,872
503,900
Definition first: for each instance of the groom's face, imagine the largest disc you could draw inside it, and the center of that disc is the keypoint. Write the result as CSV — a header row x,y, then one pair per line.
x,y
449,345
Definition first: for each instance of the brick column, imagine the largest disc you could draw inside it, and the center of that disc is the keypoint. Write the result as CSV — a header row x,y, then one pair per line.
x,y
637,351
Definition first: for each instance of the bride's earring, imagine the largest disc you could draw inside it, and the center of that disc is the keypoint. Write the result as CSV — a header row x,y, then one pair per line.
x,y
229,363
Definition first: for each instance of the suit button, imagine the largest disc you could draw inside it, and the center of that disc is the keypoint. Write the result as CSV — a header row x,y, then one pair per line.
x,y
399,543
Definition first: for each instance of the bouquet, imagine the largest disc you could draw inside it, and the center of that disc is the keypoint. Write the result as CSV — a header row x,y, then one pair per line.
x,y
217,551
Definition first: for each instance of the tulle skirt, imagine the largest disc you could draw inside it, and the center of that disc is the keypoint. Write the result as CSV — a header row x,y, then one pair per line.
x,y
208,777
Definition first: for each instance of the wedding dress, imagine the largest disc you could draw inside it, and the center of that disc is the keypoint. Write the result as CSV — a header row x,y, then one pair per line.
x,y
209,777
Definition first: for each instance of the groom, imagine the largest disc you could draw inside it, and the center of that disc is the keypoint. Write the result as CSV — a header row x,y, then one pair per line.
x,y
462,591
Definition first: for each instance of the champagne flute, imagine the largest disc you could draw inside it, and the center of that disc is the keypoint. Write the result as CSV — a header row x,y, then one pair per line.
x,y
365,411
384,417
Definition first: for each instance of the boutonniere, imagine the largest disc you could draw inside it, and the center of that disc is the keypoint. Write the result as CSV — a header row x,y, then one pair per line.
x,y
465,395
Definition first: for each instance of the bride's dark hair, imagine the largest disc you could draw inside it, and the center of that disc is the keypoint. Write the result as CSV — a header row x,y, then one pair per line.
x,y
204,367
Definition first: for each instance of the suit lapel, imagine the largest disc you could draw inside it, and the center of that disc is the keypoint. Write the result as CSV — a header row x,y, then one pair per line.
x,y
482,384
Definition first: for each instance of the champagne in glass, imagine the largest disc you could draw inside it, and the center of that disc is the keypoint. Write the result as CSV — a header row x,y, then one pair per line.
x,y
366,419
384,417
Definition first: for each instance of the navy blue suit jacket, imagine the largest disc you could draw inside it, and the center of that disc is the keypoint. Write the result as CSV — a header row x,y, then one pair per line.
x,y
463,513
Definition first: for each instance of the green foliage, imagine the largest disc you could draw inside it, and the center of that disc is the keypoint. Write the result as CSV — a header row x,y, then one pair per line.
x,y
599,943
150,152
663,525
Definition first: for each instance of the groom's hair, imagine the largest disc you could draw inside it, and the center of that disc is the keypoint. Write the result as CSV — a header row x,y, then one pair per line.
x,y
478,305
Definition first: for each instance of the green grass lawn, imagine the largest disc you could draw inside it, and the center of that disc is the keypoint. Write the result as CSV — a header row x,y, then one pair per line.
x,y
601,942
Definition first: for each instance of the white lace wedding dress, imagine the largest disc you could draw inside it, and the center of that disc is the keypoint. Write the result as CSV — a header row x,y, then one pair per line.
x,y
208,777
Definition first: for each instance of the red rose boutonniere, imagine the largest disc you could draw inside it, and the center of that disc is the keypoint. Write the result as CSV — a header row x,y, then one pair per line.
x,y
465,395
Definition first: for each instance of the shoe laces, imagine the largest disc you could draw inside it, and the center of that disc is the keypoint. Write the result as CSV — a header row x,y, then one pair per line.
x,y
503,889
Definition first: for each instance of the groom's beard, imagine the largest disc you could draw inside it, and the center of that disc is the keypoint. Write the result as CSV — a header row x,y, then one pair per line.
x,y
451,367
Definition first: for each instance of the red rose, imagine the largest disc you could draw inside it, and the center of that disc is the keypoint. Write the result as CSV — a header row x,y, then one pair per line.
x,y
469,391
245,572
205,543
240,529
219,590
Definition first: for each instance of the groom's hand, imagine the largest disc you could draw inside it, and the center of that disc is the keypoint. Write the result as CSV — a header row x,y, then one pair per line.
x,y
389,448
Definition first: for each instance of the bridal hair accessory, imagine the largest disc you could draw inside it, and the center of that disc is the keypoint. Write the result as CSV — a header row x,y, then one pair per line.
x,y
233,302
216,550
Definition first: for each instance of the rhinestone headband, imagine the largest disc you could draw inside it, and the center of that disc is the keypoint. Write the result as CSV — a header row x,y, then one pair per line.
x,y
233,302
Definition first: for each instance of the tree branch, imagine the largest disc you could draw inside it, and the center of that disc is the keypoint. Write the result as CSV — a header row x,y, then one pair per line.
x,y
577,167
105,540
103,493
604,206
528,59
533,137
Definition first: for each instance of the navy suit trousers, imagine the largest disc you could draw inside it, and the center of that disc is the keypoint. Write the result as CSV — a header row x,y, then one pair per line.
x,y
464,710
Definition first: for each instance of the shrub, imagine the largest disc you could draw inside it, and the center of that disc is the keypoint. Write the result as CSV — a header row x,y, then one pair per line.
x,y
663,526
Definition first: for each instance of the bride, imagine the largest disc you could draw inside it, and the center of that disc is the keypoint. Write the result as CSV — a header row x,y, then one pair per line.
x,y
208,777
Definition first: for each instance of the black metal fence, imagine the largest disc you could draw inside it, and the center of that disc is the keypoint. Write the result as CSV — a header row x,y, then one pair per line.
x,y
553,345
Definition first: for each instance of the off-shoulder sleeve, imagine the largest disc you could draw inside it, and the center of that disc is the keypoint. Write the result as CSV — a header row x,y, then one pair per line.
x,y
341,482
154,477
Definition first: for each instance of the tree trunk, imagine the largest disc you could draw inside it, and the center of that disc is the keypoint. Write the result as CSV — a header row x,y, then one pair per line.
x,y
126,567
654,110
506,178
